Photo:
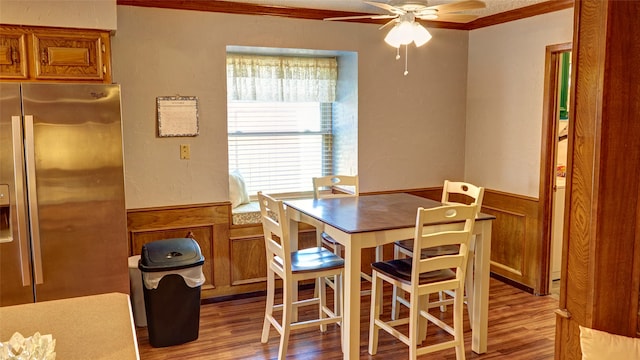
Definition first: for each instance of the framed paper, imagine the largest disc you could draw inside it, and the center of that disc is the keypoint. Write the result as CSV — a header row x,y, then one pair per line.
x,y
177,115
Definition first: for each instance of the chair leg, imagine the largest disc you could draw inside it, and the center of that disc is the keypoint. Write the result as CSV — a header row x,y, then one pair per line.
x,y
395,304
322,303
376,300
442,296
458,310
414,327
337,282
268,312
287,319
338,296
338,251
423,322
468,283
341,307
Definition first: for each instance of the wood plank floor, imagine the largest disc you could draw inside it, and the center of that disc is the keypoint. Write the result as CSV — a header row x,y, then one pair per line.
x,y
521,326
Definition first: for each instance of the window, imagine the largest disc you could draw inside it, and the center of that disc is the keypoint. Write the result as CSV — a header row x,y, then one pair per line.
x,y
279,146
280,115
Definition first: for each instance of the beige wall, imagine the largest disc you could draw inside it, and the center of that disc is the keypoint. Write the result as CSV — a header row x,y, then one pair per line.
x,y
411,128
85,14
504,100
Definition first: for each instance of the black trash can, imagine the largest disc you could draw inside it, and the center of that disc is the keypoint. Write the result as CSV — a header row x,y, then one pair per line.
x,y
172,277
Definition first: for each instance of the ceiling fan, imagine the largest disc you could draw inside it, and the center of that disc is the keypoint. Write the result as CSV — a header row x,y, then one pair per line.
x,y
419,9
403,13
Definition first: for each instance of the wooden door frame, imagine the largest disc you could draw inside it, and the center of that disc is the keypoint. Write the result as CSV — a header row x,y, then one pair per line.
x,y
548,158
600,285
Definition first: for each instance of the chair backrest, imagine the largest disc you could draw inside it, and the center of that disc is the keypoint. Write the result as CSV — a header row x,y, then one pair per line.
x,y
323,186
475,193
428,239
276,234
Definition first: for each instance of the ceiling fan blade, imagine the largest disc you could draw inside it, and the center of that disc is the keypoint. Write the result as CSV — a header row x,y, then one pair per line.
x,y
362,17
455,18
458,6
387,7
387,23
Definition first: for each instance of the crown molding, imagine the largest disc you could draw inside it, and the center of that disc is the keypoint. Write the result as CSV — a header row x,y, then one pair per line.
x,y
520,13
231,7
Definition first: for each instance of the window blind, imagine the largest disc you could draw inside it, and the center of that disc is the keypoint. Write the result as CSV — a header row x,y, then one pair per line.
x,y
278,146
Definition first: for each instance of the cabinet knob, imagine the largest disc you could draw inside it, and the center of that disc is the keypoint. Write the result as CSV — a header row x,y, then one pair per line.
x,y
44,58
15,55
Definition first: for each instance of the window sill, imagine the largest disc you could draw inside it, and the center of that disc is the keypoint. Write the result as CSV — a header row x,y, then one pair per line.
x,y
246,214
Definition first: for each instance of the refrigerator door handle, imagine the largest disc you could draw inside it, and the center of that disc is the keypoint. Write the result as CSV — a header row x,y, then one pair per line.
x,y
20,206
33,199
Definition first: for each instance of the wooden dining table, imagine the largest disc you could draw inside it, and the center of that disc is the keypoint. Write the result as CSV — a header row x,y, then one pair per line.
x,y
369,221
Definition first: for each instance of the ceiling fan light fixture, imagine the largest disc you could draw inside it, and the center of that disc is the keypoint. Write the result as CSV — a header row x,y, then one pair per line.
x,y
420,35
401,34
393,38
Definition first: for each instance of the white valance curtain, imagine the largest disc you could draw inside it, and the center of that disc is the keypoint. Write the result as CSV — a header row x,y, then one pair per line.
x,y
281,78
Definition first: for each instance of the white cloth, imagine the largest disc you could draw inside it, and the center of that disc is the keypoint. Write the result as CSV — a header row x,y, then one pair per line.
x,y
192,276
281,78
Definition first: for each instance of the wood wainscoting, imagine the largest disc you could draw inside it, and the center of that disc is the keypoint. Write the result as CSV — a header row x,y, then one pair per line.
x,y
235,254
208,224
247,256
516,241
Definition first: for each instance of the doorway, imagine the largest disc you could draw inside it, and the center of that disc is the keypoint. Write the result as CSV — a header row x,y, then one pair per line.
x,y
553,163
562,126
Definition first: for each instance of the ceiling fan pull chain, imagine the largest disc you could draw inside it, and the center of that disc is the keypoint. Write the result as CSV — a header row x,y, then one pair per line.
x,y
398,53
406,59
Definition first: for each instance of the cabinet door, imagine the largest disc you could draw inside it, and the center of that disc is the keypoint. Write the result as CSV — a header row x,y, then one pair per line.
x,y
13,55
70,56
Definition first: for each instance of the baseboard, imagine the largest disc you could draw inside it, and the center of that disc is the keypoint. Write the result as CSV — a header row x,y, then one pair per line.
x,y
515,284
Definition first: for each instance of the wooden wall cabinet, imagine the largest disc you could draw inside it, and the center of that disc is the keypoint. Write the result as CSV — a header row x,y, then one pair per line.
x,y
47,54
13,55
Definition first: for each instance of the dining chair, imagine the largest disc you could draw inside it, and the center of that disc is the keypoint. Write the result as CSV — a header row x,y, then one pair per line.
x,y
420,277
453,192
292,267
332,186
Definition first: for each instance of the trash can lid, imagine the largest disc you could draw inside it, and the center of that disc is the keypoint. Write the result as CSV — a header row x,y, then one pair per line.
x,y
170,254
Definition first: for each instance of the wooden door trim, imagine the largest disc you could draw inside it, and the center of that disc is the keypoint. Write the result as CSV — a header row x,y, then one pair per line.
x,y
601,268
547,158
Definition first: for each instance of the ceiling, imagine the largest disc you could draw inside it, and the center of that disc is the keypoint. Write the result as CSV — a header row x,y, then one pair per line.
x,y
496,11
359,6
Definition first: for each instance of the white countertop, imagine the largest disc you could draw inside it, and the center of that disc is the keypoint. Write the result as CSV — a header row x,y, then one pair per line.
x,y
97,327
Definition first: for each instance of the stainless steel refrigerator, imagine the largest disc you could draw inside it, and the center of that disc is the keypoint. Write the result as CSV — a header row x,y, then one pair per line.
x,y
62,210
